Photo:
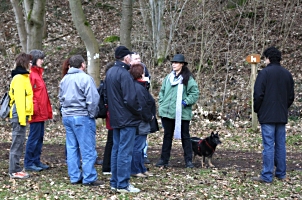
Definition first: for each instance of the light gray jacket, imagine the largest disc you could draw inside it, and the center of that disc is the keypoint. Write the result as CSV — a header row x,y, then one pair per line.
x,y
78,94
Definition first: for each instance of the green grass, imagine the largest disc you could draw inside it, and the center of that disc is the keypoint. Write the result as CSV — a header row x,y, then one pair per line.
x,y
112,38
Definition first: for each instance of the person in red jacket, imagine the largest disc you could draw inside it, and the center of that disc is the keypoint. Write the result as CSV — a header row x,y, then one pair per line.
x,y
42,112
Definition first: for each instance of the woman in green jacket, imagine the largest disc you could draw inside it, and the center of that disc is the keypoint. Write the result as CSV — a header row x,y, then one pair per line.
x,y
178,93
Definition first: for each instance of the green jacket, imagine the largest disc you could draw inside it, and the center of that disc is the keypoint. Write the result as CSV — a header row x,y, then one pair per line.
x,y
168,96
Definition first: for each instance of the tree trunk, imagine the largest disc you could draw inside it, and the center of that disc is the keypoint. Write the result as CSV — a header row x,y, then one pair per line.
x,y
35,12
20,23
86,34
126,23
146,16
158,29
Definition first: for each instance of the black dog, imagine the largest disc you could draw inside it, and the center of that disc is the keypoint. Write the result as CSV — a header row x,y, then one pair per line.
x,y
205,147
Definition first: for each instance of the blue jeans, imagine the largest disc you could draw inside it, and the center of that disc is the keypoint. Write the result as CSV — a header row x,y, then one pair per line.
x,y
146,149
137,164
274,151
34,144
80,142
121,156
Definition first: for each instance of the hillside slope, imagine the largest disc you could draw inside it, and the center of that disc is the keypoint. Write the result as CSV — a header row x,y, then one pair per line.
x,y
218,37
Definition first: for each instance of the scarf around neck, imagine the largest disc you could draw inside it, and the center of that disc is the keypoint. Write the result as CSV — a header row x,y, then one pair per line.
x,y
177,81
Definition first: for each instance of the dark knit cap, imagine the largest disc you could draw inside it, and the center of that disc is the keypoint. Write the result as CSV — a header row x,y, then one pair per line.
x,y
121,52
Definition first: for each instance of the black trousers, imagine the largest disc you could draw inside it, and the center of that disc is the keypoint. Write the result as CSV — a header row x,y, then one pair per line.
x,y
169,126
107,152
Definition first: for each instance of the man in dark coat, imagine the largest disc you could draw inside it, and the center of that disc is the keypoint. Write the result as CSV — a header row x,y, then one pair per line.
x,y
273,95
125,116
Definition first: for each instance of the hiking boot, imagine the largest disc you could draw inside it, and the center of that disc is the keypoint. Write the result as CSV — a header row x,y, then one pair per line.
x,y
43,166
33,168
130,188
189,165
95,183
20,175
161,163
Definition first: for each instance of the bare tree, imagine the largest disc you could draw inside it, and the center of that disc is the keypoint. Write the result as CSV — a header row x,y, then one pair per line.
x,y
156,15
86,34
158,28
126,23
30,23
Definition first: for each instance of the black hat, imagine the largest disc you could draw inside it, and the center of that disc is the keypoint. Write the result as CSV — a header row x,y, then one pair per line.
x,y
179,58
121,52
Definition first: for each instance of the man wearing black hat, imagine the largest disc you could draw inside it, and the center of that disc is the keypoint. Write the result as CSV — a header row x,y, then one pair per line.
x,y
125,116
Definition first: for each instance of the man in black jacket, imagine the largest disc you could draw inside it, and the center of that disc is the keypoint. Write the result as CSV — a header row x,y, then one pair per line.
x,y
125,116
273,95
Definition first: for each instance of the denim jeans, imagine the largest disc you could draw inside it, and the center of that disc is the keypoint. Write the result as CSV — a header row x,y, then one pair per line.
x,y
34,144
107,152
146,149
168,137
80,143
121,156
137,164
16,149
274,151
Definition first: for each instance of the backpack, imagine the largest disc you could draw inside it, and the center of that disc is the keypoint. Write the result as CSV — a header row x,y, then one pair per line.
x,y
103,101
4,111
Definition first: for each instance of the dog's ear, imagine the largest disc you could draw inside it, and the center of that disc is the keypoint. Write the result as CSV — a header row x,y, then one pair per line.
x,y
212,133
217,133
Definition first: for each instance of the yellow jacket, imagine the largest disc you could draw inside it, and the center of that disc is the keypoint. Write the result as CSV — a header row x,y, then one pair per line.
x,y
21,95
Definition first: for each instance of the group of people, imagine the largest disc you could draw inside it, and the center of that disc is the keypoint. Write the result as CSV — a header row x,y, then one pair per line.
x,y
132,110
131,116
29,102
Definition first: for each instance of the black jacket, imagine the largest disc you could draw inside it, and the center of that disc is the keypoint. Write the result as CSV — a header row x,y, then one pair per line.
x,y
149,123
122,99
273,94
145,100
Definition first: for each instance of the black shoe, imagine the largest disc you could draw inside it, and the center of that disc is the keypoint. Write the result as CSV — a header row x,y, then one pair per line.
x,y
259,179
146,160
281,179
95,183
99,162
189,165
33,168
161,163
78,182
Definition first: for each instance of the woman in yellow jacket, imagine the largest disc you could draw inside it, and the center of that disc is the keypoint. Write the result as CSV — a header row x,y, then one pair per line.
x,y
21,104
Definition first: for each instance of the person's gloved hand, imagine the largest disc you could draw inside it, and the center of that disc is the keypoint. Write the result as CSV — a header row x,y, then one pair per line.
x,y
184,103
